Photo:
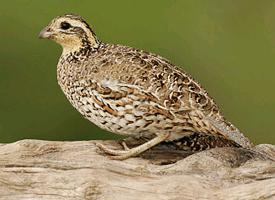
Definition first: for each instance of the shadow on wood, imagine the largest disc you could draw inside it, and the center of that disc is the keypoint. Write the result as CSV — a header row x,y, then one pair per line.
x,y
33,169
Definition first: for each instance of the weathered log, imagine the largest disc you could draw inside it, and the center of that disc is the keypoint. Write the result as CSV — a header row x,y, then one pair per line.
x,y
32,169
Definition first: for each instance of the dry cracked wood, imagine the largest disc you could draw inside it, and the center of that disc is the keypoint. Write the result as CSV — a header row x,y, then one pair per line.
x,y
32,169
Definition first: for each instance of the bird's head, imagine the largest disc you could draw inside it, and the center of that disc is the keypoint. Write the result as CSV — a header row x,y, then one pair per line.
x,y
71,32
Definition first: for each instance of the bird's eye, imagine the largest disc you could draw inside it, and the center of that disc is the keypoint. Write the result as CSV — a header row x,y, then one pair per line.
x,y
65,25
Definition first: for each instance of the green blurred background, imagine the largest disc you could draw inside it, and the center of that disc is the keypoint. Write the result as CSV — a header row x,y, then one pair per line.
x,y
229,46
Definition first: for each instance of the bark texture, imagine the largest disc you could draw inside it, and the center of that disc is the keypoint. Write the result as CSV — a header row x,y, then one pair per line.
x,y
33,169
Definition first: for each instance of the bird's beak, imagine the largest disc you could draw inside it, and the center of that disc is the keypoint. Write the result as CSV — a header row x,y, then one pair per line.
x,y
45,33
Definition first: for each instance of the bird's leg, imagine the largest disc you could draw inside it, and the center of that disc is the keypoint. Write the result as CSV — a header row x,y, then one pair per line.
x,y
122,155
124,145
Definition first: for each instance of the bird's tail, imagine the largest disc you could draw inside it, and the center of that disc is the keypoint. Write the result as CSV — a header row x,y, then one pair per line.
x,y
231,132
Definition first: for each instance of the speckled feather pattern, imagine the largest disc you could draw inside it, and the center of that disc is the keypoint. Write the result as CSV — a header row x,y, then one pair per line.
x,y
129,91
133,92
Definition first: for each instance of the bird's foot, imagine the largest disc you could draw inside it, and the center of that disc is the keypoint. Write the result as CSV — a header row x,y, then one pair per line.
x,y
116,154
127,153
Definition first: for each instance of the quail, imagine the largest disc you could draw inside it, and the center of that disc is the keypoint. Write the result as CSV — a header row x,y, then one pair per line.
x,y
132,92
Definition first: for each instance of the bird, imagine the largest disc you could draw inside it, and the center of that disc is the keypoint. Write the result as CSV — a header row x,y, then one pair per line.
x,y
134,93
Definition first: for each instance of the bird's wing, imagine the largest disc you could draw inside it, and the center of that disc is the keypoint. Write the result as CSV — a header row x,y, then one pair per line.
x,y
127,107
164,87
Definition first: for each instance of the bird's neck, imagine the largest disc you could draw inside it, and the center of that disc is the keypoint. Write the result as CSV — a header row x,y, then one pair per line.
x,y
76,53
80,48
71,64
72,61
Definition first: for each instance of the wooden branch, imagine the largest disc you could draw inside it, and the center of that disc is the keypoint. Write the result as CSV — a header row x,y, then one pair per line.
x,y
32,169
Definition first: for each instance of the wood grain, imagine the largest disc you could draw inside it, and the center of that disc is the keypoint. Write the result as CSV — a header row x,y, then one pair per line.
x,y
33,169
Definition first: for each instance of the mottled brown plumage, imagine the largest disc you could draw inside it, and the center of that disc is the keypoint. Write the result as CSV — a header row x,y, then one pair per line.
x,y
132,92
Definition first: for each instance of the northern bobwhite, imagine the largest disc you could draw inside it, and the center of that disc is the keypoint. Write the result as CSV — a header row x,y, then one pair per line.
x,y
132,92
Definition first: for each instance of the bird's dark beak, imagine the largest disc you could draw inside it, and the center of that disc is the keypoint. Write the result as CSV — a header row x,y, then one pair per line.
x,y
45,33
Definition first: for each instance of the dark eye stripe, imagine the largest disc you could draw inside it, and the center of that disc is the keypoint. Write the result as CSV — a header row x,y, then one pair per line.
x,y
65,25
